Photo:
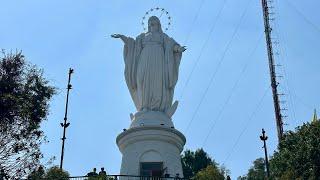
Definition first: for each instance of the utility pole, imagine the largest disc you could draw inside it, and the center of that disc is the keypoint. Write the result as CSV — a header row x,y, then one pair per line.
x,y
65,124
274,83
264,138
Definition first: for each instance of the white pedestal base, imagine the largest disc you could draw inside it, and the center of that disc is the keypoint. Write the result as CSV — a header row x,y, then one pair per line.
x,y
153,143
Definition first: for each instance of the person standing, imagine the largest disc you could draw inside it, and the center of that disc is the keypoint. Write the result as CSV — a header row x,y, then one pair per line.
x,y
103,174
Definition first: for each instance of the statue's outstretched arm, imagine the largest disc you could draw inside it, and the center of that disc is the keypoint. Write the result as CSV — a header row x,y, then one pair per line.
x,y
179,49
122,37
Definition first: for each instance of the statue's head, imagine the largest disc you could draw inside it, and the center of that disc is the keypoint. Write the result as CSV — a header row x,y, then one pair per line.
x,y
154,24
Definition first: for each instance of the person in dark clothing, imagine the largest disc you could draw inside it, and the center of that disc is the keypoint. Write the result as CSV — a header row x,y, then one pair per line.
x,y
102,172
93,173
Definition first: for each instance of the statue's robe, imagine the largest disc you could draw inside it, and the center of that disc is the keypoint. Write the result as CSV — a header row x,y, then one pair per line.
x,y
151,71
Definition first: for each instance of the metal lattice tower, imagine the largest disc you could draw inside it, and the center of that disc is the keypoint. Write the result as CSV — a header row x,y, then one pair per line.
x,y
274,83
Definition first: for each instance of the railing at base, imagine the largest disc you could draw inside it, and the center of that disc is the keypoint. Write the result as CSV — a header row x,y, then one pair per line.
x,y
124,177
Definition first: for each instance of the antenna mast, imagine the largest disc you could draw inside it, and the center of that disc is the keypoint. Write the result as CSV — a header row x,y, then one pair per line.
x,y
274,83
65,124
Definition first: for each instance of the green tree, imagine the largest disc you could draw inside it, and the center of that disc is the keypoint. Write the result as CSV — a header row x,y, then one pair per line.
x,y
24,103
55,173
257,171
211,172
298,154
37,174
194,162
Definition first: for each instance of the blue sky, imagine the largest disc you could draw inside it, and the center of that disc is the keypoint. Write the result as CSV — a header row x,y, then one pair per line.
x,y
226,99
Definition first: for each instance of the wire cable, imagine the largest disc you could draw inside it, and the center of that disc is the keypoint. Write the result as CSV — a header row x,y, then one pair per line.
x,y
202,49
193,22
307,105
292,92
234,88
282,56
286,80
218,66
303,16
258,106
283,49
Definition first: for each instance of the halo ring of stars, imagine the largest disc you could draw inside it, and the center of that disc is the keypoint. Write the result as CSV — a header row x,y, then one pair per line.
x,y
159,12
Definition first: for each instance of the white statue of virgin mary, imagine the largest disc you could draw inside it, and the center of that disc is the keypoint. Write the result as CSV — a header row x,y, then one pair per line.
x,y
151,68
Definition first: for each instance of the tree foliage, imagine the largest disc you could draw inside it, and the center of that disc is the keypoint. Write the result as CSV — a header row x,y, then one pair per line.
x,y
211,172
298,154
24,98
37,174
200,161
257,171
53,173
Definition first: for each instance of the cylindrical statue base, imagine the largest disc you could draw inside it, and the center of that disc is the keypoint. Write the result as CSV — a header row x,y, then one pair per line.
x,y
152,150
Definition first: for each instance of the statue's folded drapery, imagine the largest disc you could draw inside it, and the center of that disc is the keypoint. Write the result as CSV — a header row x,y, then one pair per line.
x,y
151,70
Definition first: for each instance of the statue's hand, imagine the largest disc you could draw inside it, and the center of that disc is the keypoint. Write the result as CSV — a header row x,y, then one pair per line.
x,y
116,35
122,37
182,49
